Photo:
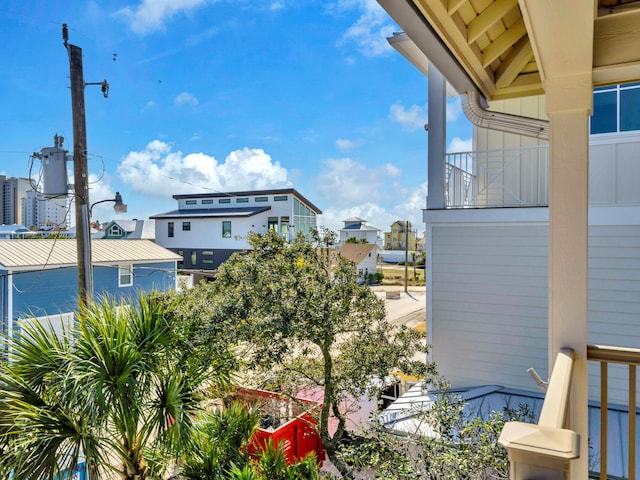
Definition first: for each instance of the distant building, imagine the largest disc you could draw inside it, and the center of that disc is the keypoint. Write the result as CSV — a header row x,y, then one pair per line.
x,y
356,227
208,227
128,230
44,213
13,191
364,255
400,235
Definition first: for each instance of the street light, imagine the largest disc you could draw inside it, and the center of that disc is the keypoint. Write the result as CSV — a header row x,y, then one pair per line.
x,y
118,206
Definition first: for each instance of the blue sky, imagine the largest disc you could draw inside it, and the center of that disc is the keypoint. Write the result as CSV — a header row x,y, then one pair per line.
x,y
225,95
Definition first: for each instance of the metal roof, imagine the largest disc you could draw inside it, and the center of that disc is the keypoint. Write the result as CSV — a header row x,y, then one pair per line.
x,y
32,254
212,212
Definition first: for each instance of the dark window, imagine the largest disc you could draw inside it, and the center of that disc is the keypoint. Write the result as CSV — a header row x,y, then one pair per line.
x,y
280,198
224,200
273,223
186,226
616,109
242,200
207,201
604,119
262,199
170,229
630,109
226,229
191,202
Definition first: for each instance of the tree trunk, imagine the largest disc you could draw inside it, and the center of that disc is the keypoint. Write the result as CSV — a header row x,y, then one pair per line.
x,y
330,444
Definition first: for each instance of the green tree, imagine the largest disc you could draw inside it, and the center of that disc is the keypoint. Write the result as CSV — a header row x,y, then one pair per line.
x,y
110,389
306,325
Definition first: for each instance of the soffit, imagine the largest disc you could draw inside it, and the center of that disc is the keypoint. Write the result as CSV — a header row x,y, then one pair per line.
x,y
507,54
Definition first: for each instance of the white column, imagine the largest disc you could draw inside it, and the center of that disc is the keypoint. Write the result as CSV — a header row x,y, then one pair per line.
x,y
437,121
568,104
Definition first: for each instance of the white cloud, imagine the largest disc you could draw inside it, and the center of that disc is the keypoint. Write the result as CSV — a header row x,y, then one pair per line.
x,y
186,98
454,110
459,145
370,31
150,104
413,118
344,144
151,15
276,6
374,194
346,182
158,171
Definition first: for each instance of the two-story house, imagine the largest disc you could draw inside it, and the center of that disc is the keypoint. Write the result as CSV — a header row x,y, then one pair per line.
x,y
401,236
357,228
207,228
531,248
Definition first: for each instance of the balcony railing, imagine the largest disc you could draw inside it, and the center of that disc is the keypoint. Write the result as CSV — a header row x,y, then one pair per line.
x,y
625,356
546,448
515,177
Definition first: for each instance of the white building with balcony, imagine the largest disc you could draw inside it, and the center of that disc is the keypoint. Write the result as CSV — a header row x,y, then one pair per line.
x,y
535,249
208,228
357,228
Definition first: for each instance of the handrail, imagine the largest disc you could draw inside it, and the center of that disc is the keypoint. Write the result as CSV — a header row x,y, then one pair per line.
x,y
622,355
605,353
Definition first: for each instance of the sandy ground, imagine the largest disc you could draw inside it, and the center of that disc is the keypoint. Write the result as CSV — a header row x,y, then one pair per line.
x,y
409,309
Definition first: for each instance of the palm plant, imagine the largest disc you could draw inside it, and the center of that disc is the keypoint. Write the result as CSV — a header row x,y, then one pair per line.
x,y
109,390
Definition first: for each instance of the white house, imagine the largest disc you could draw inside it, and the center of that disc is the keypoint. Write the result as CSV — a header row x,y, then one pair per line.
x,y
208,227
533,239
364,255
357,228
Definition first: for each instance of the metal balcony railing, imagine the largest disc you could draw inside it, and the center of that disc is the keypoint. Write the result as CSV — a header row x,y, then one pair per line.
x,y
625,356
515,177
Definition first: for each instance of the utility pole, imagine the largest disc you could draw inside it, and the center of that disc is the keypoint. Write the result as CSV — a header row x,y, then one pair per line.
x,y
406,255
80,169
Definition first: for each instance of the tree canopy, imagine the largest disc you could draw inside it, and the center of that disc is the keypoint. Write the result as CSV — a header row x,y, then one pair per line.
x,y
305,323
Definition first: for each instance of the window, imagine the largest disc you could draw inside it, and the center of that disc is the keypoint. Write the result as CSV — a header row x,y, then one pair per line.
x,y
207,201
616,109
242,200
226,229
273,223
284,226
125,275
207,257
181,262
224,200
191,202
170,229
186,226
194,258
262,199
280,198
116,231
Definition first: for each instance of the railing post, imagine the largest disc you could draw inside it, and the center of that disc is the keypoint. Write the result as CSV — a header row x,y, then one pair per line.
x,y
544,451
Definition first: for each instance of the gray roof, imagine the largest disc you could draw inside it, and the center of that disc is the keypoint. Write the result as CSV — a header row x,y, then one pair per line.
x,y
32,254
213,212
360,228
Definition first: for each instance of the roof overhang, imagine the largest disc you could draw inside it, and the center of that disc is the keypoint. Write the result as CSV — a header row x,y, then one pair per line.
x,y
508,48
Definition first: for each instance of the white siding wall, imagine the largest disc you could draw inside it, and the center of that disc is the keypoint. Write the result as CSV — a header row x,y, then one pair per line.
x,y
489,303
488,300
614,299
